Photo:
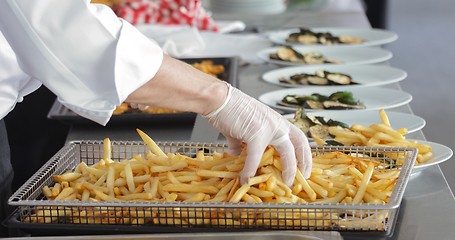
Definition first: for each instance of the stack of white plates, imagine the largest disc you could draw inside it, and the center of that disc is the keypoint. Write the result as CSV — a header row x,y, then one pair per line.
x,y
248,6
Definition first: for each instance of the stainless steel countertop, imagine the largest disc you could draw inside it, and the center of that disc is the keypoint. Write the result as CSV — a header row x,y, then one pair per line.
x,y
428,207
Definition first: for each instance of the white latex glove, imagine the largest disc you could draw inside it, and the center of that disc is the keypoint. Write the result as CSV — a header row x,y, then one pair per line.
x,y
242,118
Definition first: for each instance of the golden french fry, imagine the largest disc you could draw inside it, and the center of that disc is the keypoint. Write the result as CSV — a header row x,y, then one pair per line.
x,y
68,177
221,174
105,197
364,183
129,178
388,130
327,184
336,199
110,180
239,193
47,192
318,189
384,117
267,157
259,179
319,141
151,144
136,196
224,191
107,153
175,166
198,197
260,193
190,188
234,188
306,187
64,193
56,189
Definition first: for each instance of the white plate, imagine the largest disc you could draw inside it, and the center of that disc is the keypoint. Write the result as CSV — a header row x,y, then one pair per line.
x,y
373,37
364,75
398,120
441,153
374,98
347,55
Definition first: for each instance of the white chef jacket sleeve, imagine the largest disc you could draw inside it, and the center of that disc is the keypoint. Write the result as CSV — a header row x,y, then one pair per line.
x,y
14,83
82,52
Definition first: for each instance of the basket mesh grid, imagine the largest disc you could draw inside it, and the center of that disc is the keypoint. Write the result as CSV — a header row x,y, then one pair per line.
x,y
357,217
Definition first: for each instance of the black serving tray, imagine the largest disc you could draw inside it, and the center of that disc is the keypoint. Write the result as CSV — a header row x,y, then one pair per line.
x,y
59,112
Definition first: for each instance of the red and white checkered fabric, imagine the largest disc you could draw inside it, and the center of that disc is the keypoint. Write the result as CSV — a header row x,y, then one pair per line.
x,y
168,12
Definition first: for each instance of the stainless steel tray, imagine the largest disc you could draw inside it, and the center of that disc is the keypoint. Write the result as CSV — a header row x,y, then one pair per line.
x,y
276,235
190,215
59,112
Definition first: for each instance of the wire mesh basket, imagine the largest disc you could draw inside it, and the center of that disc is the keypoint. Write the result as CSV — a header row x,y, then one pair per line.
x,y
30,200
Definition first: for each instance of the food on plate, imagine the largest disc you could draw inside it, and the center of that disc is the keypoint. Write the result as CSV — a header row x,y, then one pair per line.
x,y
335,101
321,77
314,125
207,66
157,176
307,37
378,134
289,54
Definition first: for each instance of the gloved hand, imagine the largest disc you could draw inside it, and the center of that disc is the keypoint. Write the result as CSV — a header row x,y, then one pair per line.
x,y
243,118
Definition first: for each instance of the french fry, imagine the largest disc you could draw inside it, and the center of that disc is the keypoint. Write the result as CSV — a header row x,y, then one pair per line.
x,y
318,189
384,118
67,177
64,193
306,187
327,184
129,178
336,199
151,144
107,149
47,192
190,188
364,183
175,166
389,131
221,174
260,193
239,193
109,180
259,179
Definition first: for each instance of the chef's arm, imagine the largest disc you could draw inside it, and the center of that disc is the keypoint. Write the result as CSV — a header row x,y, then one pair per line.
x,y
83,53
180,86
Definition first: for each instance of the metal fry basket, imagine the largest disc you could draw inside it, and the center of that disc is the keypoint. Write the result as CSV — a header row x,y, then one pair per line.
x,y
204,215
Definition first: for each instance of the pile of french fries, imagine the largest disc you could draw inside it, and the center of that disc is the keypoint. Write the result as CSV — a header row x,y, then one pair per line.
x,y
380,134
336,178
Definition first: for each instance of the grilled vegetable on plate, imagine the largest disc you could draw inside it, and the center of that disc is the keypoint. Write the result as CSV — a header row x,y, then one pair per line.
x,y
336,100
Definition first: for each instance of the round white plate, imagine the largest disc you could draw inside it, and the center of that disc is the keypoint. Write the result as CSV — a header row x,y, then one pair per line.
x,y
347,55
364,75
373,37
374,98
441,153
398,120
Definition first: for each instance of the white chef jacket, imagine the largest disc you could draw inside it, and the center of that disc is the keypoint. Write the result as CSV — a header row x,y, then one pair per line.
x,y
82,52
